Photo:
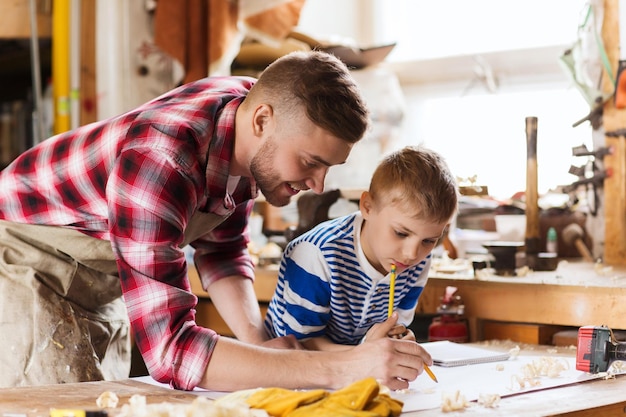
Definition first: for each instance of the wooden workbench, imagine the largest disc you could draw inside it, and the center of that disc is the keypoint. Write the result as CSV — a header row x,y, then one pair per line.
x,y
575,294
592,398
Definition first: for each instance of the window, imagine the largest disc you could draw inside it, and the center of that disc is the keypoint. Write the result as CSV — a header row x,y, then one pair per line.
x,y
432,29
471,71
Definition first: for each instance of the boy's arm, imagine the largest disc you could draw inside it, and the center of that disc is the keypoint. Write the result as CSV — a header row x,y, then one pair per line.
x,y
323,343
377,331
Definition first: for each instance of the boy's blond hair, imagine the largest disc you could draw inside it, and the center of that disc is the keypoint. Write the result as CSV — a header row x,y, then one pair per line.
x,y
418,180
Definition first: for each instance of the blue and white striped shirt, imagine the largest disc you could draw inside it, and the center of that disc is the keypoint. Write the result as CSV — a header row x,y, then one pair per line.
x,y
327,287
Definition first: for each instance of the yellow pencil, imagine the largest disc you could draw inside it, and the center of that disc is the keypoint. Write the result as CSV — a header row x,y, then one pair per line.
x,y
392,289
430,373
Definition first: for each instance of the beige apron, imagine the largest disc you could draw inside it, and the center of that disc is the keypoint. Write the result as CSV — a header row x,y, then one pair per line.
x,y
62,317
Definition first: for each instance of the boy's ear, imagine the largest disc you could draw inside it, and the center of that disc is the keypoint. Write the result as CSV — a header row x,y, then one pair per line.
x,y
365,204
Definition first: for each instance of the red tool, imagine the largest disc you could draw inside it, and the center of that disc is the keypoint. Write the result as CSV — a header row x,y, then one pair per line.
x,y
449,325
597,349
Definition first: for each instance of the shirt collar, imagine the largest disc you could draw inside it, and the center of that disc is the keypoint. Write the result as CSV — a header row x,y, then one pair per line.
x,y
219,158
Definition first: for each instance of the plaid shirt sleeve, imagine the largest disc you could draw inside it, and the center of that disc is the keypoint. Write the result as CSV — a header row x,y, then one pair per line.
x,y
148,202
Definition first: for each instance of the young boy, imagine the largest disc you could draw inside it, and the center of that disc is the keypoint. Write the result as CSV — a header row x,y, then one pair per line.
x,y
334,280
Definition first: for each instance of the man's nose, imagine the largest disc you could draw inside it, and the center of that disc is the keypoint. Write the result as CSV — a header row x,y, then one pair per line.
x,y
316,181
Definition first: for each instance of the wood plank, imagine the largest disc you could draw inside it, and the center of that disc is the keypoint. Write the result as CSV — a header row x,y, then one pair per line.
x,y
532,303
599,397
536,334
88,88
37,401
614,119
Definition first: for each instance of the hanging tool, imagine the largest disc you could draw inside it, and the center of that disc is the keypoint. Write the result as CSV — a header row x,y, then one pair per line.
x,y
620,79
596,180
532,237
597,349
601,152
594,116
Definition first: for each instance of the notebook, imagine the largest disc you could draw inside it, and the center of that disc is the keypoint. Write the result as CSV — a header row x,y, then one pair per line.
x,y
446,353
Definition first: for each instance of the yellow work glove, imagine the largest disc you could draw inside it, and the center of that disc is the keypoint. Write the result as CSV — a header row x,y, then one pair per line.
x,y
384,405
278,402
360,399
355,396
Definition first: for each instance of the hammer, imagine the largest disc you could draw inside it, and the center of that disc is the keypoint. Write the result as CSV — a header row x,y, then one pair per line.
x,y
597,349
573,235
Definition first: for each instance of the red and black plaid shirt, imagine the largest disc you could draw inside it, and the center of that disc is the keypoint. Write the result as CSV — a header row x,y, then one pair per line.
x,y
136,180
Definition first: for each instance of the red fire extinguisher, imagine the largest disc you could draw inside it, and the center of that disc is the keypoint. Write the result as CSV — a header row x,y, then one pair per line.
x,y
450,324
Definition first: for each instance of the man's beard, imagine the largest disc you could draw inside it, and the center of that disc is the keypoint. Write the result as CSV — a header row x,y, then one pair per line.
x,y
267,181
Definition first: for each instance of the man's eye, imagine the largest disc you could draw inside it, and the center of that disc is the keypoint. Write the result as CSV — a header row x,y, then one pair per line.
x,y
400,234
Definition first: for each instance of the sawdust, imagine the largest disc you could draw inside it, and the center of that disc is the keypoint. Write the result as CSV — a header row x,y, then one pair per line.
x,y
453,402
107,399
199,407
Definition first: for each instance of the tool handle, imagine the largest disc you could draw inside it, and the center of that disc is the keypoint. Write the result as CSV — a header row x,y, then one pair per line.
x,y
532,195
619,351
583,250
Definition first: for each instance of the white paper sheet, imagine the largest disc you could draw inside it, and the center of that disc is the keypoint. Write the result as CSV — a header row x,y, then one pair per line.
x,y
473,380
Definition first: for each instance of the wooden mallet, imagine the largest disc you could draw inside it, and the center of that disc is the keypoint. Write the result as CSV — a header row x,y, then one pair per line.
x,y
573,235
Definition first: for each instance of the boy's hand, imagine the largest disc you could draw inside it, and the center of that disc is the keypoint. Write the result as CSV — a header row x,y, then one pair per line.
x,y
397,331
400,331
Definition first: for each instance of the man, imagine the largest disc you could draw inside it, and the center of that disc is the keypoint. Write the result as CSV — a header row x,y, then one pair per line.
x,y
94,222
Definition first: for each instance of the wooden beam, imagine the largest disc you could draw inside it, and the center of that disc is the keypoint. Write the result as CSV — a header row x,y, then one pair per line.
x,y
88,92
613,120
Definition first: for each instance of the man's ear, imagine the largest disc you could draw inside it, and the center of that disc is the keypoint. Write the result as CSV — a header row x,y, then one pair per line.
x,y
263,119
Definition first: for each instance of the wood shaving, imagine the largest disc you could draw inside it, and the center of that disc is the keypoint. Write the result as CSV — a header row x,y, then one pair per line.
x,y
617,367
453,402
499,367
523,271
514,352
489,400
107,399
602,270
405,391
483,274
542,367
199,407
